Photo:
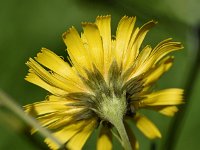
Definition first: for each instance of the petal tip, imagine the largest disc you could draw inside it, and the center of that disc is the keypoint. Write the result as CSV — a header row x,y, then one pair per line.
x,y
68,32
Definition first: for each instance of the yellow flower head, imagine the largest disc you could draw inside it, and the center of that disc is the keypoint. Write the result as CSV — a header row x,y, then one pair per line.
x,y
106,82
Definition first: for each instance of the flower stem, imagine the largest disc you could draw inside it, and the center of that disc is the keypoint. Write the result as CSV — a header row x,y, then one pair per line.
x,y
8,102
113,109
122,132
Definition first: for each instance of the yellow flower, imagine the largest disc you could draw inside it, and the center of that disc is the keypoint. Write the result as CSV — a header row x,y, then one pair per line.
x,y
104,83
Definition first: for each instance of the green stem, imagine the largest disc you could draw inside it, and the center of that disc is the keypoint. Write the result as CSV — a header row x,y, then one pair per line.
x,y
10,104
122,132
113,109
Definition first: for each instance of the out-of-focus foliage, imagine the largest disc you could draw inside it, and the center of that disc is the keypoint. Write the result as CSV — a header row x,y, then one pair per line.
x,y
26,26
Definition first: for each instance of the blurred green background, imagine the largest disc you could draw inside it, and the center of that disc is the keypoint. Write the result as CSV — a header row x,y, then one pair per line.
x,y
26,26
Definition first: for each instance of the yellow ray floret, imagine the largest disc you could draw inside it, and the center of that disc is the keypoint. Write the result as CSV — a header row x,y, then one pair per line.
x,y
103,23
104,140
66,133
94,44
78,54
146,127
123,34
164,97
33,78
78,140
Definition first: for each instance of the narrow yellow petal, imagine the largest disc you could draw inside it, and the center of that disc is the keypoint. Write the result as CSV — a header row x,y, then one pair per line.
x,y
104,141
48,78
51,104
77,52
156,55
164,110
45,107
161,44
142,33
33,78
132,52
142,57
55,63
165,48
136,41
75,82
78,140
95,45
61,122
158,70
113,45
164,97
167,110
144,54
123,34
45,121
132,138
56,120
146,127
54,98
50,60
66,133
103,23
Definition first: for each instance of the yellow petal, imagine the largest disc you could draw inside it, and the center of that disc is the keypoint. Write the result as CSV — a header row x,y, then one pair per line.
x,y
61,122
167,110
161,44
142,33
103,23
33,78
104,141
123,34
75,83
76,50
164,48
132,52
78,140
95,45
164,97
54,98
136,41
59,66
156,55
131,136
146,127
48,78
45,107
45,121
65,134
142,57
55,63
55,120
158,70
113,45
144,54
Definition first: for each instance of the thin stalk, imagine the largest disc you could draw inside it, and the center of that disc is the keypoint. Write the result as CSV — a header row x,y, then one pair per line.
x,y
122,132
6,101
